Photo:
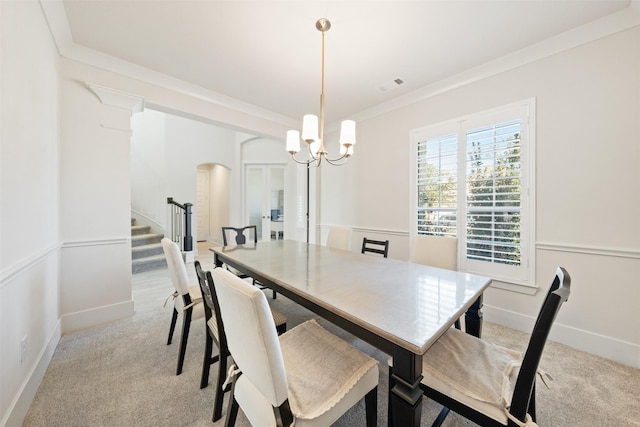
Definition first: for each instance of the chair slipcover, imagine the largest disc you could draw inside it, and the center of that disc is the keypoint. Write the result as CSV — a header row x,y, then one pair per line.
x,y
486,383
436,251
187,299
339,238
180,280
446,366
319,374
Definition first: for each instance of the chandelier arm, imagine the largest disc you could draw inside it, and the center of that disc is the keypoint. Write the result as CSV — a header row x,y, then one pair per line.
x,y
337,162
303,162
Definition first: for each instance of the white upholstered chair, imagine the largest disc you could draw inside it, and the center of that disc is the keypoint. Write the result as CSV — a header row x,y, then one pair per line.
x,y
436,251
309,375
216,334
187,298
339,238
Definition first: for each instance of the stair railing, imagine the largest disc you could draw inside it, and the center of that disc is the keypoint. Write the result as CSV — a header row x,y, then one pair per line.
x,y
180,224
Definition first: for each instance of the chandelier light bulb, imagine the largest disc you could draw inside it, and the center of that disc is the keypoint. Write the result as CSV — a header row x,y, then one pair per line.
x,y
293,141
310,128
348,133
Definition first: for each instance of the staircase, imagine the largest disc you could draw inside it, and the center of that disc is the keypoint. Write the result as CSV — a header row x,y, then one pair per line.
x,y
146,249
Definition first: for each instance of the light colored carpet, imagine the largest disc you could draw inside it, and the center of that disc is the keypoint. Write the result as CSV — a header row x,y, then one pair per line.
x,y
123,374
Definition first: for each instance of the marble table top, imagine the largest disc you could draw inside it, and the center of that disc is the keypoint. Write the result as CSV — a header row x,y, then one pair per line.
x,y
408,304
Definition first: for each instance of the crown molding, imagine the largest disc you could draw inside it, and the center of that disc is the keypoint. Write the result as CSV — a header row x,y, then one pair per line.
x,y
603,27
117,98
56,18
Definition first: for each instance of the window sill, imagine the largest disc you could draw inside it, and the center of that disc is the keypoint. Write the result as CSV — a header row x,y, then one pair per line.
x,y
521,288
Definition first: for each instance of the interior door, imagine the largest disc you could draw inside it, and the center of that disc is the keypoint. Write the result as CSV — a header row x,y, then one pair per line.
x,y
265,199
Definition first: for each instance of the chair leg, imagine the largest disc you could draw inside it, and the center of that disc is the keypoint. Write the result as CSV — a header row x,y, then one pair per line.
x,y
391,385
219,396
441,416
206,361
232,413
262,287
281,329
186,324
371,405
174,319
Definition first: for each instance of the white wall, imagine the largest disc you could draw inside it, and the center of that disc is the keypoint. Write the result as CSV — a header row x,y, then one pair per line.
x,y
95,204
148,199
29,203
588,175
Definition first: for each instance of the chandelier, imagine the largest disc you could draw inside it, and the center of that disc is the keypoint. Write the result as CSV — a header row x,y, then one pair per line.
x,y
313,134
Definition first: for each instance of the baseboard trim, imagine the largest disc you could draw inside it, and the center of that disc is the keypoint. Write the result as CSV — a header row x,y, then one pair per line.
x,y
619,351
96,316
21,403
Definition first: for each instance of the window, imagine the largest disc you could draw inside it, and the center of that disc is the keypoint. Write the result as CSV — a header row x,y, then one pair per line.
x,y
473,180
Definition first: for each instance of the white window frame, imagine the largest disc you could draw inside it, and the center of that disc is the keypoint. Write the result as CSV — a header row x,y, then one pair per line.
x,y
523,275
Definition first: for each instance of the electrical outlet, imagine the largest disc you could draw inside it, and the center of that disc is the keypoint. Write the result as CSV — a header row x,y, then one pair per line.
x,y
23,349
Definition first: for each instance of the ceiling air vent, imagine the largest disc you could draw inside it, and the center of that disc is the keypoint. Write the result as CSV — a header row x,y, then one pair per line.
x,y
390,85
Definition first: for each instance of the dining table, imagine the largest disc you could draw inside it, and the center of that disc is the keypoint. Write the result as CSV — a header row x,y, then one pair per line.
x,y
397,306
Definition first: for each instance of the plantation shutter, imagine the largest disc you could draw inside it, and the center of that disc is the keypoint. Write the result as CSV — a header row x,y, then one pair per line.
x,y
437,184
493,193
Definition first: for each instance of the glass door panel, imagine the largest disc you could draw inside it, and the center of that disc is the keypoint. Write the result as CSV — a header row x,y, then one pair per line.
x,y
254,194
276,192
265,199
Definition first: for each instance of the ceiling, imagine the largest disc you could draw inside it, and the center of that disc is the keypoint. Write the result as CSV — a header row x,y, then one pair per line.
x,y
267,54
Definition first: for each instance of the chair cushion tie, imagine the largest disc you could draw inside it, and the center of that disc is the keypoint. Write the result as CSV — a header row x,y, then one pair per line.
x,y
528,422
233,372
174,295
544,376
194,302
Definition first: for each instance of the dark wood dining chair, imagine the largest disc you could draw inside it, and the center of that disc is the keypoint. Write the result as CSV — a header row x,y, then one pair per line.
x,y
216,335
453,370
375,246
240,236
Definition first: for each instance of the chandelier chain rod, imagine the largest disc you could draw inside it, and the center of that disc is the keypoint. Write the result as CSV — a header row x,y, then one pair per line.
x,y
322,150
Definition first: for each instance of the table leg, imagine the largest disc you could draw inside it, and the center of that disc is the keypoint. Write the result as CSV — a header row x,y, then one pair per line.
x,y
216,260
473,318
405,395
